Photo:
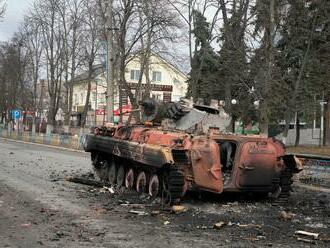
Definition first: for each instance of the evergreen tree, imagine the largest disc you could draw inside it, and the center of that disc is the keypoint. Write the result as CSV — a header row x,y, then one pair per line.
x,y
319,62
203,82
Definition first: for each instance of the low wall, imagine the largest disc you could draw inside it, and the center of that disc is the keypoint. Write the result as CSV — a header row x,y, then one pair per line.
x,y
316,172
307,137
66,141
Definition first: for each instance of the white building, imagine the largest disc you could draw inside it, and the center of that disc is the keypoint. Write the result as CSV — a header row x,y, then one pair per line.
x,y
167,83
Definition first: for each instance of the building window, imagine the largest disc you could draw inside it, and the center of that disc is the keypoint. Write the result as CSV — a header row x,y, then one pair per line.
x,y
135,74
81,98
167,97
94,97
75,99
124,98
156,76
157,96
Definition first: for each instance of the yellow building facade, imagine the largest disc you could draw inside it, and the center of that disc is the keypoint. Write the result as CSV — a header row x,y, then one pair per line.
x,y
167,83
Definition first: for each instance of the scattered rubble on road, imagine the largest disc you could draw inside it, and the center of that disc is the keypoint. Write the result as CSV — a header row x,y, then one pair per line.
x,y
86,181
308,234
177,209
266,221
219,225
141,213
287,215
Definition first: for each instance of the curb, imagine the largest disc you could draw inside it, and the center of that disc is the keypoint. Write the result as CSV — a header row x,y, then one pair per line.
x,y
38,144
312,187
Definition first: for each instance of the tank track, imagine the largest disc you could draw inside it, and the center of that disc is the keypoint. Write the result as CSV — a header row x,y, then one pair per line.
x,y
286,183
173,178
175,184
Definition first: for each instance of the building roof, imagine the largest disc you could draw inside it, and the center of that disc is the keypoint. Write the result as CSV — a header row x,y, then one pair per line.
x,y
170,64
97,70
101,68
165,62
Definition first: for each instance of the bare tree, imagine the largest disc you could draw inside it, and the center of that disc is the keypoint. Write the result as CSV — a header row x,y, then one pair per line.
x,y
30,32
10,63
160,28
208,8
71,12
91,47
2,8
47,14
15,85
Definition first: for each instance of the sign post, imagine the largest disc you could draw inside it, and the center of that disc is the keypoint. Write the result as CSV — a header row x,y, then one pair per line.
x,y
16,115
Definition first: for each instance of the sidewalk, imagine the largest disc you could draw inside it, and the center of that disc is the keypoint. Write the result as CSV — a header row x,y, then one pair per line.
x,y
67,141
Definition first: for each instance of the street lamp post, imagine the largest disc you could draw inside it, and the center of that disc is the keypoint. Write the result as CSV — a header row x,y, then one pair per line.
x,y
233,103
322,103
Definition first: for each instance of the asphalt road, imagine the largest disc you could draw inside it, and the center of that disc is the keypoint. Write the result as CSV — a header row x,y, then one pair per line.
x,y
40,209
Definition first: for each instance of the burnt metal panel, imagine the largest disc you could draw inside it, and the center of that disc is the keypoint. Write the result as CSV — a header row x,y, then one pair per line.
x,y
205,157
257,165
153,155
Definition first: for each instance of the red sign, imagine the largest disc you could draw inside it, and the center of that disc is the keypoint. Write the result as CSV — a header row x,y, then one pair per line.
x,y
101,112
153,87
125,109
28,113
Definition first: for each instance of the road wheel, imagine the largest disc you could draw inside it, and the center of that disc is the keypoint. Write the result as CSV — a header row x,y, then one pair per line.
x,y
120,176
141,182
112,174
153,189
129,178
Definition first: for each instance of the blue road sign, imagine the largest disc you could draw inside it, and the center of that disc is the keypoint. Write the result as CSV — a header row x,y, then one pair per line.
x,y
16,114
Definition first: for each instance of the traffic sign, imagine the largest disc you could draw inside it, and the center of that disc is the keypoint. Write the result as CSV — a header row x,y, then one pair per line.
x,y
16,114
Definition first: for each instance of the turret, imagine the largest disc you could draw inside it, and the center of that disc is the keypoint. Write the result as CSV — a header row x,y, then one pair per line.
x,y
184,116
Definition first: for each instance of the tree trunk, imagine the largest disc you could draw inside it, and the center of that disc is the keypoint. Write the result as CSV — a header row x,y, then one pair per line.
x,y
286,128
297,130
147,70
233,120
292,102
263,121
89,86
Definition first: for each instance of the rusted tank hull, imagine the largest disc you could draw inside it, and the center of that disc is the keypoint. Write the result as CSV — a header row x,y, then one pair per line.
x,y
151,155
214,163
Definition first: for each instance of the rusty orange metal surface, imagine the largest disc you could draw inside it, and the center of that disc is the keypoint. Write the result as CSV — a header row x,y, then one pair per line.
x,y
257,163
256,158
206,167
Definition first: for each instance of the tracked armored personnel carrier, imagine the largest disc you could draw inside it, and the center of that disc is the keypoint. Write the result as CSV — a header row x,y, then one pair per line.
x,y
170,151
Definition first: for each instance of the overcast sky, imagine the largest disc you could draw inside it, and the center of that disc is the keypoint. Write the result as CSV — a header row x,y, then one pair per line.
x,y
14,15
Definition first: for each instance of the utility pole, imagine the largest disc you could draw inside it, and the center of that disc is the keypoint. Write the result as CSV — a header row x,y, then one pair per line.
x,y
326,139
110,67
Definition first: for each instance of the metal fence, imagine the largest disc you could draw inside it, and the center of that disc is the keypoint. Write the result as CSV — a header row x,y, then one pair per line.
x,y
316,171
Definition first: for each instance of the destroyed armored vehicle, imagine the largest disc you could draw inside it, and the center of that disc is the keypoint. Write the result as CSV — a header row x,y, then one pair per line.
x,y
170,151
